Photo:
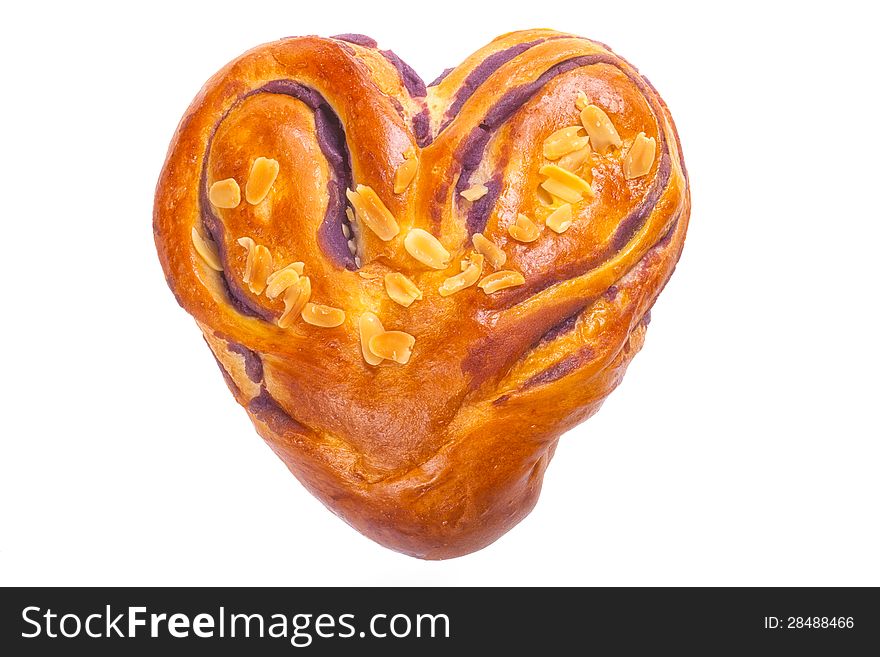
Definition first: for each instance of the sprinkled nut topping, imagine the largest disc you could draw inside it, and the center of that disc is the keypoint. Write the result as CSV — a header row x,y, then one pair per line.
x,y
207,250
282,279
485,247
581,101
560,219
640,157
369,326
225,194
524,230
372,212
401,289
564,141
603,134
574,160
393,345
564,184
264,171
323,316
426,248
557,189
405,172
470,274
501,280
258,266
295,299
475,192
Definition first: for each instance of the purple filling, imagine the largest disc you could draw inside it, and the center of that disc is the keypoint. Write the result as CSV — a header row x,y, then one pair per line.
x,y
611,293
422,128
442,76
479,75
411,80
267,410
253,366
331,140
563,368
561,328
478,215
357,39
474,145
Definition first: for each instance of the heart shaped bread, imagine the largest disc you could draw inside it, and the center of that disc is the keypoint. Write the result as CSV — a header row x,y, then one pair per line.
x,y
414,291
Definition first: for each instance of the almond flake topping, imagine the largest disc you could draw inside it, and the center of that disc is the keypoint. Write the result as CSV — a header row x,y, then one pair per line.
x,y
401,289
564,141
524,230
501,280
560,219
475,192
264,171
323,316
471,268
640,157
487,248
282,279
405,172
603,134
426,248
207,250
225,194
581,101
393,345
295,299
370,210
369,326
564,184
574,160
258,266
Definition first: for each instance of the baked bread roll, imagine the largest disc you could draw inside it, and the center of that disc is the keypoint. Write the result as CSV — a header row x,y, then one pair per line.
x,y
415,290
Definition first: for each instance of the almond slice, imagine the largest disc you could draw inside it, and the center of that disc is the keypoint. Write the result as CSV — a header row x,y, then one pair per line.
x,y
471,269
560,219
405,172
295,299
491,251
581,101
561,191
524,230
393,345
567,178
640,157
207,250
282,279
501,280
369,326
401,289
475,192
603,134
574,160
426,248
258,266
323,316
564,184
372,212
264,171
564,141
225,194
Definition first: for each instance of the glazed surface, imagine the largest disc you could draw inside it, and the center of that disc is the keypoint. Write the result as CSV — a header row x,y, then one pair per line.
x,y
441,455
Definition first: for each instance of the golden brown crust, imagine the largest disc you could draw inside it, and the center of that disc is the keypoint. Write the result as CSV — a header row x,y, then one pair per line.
x,y
441,456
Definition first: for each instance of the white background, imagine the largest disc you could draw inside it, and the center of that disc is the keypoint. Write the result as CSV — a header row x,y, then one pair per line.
x,y
742,447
